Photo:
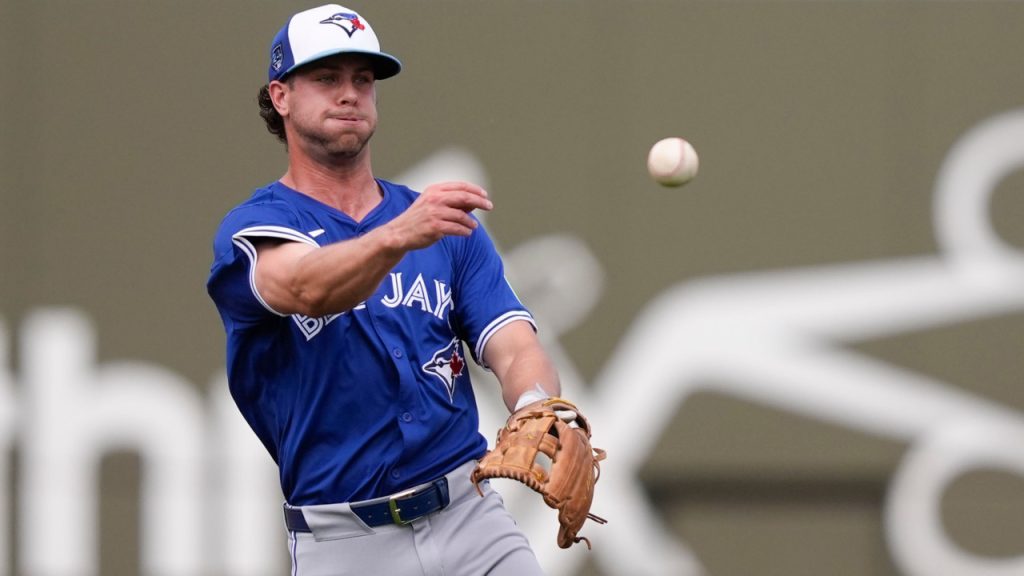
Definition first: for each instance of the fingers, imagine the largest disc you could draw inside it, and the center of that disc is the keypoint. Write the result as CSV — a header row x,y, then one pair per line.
x,y
459,185
447,212
462,195
448,205
453,222
442,209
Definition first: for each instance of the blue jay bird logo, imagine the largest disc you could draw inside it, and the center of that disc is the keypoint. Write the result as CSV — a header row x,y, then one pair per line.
x,y
347,21
447,365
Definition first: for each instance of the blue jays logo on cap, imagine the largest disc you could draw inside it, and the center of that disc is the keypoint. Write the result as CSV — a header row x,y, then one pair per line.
x,y
347,21
277,57
312,34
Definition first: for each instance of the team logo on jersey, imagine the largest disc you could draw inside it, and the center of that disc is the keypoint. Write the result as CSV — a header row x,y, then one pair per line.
x,y
417,295
347,21
447,365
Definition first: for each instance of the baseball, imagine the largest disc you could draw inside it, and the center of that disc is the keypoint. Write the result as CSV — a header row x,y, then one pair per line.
x,y
672,162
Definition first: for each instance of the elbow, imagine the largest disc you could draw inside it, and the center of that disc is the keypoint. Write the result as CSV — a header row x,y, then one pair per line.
x,y
310,302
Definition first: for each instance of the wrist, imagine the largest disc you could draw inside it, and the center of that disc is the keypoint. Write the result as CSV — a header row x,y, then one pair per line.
x,y
535,394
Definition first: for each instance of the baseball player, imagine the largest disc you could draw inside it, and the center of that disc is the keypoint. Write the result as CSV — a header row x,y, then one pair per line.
x,y
351,306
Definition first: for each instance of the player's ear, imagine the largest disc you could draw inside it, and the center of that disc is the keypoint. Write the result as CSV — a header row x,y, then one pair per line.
x,y
279,96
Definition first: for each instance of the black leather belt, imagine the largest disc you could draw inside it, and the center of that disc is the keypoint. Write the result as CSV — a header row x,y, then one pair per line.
x,y
401,508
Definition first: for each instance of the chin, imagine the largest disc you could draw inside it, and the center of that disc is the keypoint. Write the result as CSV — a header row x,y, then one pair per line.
x,y
346,149
342,144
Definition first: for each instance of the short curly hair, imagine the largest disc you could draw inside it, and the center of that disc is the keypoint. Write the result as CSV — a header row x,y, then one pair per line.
x,y
274,121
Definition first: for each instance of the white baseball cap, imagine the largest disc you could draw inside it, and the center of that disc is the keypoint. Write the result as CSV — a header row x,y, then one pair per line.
x,y
325,31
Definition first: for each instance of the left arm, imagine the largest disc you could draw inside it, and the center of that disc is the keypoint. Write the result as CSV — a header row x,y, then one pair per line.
x,y
519,362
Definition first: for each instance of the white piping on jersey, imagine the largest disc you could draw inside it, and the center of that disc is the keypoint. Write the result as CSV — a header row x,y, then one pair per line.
x,y
497,324
241,239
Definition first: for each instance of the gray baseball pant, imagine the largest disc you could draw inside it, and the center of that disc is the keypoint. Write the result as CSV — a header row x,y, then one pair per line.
x,y
472,536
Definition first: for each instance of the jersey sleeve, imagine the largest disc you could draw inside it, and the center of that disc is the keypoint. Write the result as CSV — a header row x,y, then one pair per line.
x,y
231,282
485,302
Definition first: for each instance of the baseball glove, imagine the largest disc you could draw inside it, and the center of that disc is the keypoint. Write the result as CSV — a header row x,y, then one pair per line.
x,y
539,448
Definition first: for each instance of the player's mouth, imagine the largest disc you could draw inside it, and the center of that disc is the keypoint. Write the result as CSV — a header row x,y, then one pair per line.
x,y
346,117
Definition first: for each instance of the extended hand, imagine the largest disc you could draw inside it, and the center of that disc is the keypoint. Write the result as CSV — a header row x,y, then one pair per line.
x,y
441,210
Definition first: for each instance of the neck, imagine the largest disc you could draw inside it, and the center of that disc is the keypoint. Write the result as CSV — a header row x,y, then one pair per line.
x,y
346,184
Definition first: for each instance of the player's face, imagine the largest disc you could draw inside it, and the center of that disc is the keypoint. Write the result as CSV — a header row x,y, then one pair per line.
x,y
332,105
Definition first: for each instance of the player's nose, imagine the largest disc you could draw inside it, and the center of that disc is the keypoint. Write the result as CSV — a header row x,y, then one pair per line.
x,y
347,94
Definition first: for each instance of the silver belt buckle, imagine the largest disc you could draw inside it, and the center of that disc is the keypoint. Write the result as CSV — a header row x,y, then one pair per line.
x,y
396,516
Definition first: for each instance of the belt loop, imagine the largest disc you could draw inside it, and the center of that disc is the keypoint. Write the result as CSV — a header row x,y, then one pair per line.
x,y
442,488
294,520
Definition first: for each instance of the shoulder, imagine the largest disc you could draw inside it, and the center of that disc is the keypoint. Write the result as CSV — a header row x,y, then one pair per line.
x,y
268,197
266,209
266,202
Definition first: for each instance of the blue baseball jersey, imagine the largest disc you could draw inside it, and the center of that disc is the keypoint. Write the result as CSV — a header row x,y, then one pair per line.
x,y
372,400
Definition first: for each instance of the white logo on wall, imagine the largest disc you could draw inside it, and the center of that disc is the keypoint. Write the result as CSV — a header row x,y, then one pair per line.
x,y
207,484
